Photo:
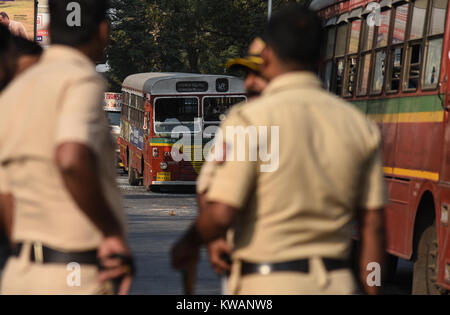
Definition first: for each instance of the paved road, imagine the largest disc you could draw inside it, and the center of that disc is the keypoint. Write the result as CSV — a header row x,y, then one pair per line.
x,y
152,231
156,220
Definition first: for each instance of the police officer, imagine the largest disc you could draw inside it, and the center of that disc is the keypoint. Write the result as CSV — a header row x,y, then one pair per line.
x,y
251,65
255,84
16,55
293,223
58,158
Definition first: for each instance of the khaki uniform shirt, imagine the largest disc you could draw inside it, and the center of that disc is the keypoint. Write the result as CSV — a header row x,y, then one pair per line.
x,y
57,101
17,29
205,177
329,165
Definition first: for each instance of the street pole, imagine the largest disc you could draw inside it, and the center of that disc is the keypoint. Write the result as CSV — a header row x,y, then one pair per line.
x,y
269,11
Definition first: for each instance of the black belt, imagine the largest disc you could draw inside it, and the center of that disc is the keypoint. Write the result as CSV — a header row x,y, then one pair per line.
x,y
45,255
301,265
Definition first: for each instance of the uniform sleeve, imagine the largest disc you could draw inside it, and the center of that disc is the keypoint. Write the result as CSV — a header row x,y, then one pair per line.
x,y
81,117
373,189
205,176
233,179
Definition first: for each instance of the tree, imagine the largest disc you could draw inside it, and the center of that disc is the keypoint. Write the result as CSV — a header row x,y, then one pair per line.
x,y
196,36
132,48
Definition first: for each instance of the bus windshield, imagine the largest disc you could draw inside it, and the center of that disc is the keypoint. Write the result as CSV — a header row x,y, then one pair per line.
x,y
174,112
215,108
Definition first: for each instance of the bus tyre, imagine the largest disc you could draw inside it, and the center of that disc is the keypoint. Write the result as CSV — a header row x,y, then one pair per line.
x,y
391,267
132,176
425,264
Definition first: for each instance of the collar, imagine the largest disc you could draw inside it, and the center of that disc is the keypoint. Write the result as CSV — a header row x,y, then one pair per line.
x,y
67,53
293,80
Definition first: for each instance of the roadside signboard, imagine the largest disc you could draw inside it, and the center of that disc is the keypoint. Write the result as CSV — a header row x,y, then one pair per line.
x,y
42,24
113,102
21,17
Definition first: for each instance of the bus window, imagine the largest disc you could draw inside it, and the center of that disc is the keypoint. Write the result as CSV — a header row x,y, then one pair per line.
x,y
331,36
378,78
418,19
396,52
133,101
350,80
433,63
354,37
364,71
327,75
140,103
329,52
367,40
434,45
401,15
352,61
438,11
341,43
383,29
175,112
339,76
215,108
395,69
413,73
366,57
341,40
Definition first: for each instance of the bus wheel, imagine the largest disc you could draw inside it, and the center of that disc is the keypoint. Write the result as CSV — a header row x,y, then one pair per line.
x,y
391,267
425,264
132,176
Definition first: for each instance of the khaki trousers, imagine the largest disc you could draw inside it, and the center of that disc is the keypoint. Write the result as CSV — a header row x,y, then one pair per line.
x,y
21,276
317,282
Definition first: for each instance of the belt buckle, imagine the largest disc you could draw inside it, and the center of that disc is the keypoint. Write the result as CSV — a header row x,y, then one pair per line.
x,y
38,253
265,269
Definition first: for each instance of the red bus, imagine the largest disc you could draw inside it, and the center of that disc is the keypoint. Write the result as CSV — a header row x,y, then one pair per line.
x,y
390,59
158,109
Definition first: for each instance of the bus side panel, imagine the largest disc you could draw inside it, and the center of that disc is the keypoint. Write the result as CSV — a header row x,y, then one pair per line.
x,y
381,111
443,229
445,89
418,153
135,146
139,161
402,213
388,134
123,152
398,223
443,232
124,141
419,148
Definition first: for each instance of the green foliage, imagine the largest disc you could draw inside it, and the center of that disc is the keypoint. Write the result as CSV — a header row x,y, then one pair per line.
x,y
196,36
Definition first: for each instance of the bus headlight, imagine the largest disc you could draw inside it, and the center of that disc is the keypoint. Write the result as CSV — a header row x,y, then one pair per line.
x,y
155,152
163,165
